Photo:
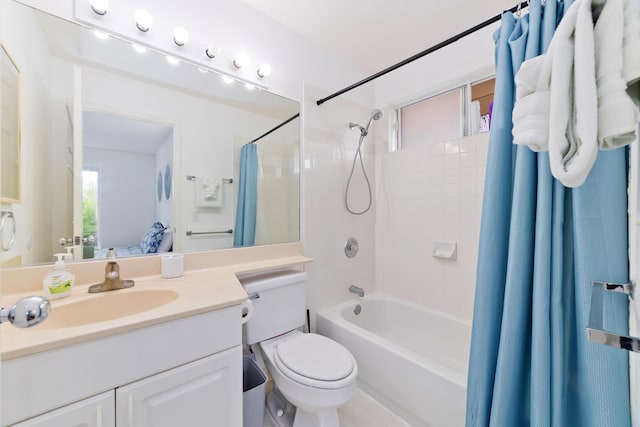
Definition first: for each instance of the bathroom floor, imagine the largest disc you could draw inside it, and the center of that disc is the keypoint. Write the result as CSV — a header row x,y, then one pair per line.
x,y
361,411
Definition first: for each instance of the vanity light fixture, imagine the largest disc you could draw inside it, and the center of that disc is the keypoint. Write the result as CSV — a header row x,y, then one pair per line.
x,y
264,70
100,34
173,60
228,80
212,51
180,36
241,60
143,20
100,7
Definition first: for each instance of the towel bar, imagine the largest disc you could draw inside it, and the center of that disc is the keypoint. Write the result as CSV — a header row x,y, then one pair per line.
x,y
595,329
194,233
224,180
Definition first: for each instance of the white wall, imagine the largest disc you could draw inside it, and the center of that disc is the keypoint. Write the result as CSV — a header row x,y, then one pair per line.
x,y
164,207
329,148
127,195
427,194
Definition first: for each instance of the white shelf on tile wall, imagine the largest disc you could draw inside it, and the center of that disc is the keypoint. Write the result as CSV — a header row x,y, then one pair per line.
x,y
445,250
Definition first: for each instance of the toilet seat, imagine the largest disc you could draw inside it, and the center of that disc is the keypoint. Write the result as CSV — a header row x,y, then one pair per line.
x,y
316,361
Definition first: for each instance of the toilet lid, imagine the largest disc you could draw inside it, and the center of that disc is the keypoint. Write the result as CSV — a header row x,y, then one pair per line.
x,y
317,357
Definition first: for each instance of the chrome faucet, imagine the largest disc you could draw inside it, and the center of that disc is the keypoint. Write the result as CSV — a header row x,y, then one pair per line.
x,y
356,290
112,280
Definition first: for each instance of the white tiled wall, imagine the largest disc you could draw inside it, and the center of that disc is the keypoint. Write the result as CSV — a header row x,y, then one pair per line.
x,y
426,194
329,147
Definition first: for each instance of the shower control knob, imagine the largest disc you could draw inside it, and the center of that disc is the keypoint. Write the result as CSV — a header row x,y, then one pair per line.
x,y
351,247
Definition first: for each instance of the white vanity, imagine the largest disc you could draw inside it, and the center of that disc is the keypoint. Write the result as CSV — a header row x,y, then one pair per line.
x,y
177,363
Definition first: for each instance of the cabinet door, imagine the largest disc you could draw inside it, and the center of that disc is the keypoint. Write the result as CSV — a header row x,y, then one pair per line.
x,y
205,392
96,411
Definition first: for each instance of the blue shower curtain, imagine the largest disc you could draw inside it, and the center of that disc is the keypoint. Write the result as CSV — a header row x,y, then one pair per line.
x,y
245,230
541,246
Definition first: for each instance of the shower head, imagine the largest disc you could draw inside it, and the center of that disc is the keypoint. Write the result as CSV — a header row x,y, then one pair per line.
x,y
353,126
375,115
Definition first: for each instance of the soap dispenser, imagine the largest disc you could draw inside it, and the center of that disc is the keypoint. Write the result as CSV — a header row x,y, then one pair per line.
x,y
59,282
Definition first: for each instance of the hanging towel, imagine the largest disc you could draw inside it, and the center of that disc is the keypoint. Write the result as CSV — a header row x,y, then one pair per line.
x,y
208,192
617,114
573,145
556,99
630,49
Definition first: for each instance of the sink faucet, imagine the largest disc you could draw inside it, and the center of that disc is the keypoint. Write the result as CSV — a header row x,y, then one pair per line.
x,y
112,280
356,290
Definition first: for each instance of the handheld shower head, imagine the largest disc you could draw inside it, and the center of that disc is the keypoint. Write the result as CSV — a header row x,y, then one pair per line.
x,y
375,115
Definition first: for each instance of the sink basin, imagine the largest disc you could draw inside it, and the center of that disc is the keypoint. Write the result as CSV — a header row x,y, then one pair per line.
x,y
108,306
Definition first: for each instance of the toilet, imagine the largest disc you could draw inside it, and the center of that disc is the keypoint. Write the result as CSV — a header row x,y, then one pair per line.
x,y
313,375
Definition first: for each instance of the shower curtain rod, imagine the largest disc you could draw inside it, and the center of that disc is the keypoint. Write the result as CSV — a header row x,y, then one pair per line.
x,y
295,116
425,52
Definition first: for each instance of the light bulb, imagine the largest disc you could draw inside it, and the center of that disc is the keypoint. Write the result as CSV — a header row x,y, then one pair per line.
x,y
139,48
180,36
241,60
212,51
173,60
143,20
264,70
99,6
249,86
228,80
100,34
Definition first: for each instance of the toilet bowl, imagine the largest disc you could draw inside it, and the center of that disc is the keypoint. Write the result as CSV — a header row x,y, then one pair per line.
x,y
313,373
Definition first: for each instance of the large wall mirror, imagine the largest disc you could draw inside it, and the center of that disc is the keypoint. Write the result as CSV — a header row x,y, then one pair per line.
x,y
116,140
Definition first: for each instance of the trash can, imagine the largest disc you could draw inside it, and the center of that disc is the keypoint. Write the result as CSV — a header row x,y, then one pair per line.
x,y
253,389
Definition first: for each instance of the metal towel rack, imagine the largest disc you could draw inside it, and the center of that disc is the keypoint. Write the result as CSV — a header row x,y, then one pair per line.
x,y
195,233
595,330
224,180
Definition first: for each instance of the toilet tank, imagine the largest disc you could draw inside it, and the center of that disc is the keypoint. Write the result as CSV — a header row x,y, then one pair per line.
x,y
278,301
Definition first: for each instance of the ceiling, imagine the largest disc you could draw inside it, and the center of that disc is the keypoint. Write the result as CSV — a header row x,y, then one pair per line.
x,y
375,34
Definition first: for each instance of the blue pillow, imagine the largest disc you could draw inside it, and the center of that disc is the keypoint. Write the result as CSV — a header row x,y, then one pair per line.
x,y
152,238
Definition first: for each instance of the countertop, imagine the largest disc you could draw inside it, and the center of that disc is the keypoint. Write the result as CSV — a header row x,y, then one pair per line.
x,y
198,291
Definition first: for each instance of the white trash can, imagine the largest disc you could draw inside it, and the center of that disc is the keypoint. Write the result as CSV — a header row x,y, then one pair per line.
x,y
254,383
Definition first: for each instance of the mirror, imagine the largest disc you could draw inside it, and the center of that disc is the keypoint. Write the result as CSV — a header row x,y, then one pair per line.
x,y
10,128
115,140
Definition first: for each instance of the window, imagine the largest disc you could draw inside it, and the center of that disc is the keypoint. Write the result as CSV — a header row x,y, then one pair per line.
x,y
90,203
449,115
435,119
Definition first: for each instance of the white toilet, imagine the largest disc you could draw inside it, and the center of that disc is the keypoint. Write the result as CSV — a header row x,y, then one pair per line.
x,y
312,372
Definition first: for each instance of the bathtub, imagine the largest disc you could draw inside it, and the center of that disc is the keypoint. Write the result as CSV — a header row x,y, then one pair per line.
x,y
412,360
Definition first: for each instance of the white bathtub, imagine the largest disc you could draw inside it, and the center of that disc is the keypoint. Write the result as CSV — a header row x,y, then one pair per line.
x,y
410,359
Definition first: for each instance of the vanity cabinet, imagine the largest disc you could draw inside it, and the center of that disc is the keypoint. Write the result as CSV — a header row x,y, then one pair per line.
x,y
200,393
97,411
181,372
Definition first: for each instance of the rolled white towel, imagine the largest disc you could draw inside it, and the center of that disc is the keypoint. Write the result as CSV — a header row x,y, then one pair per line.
x,y
617,114
631,48
531,110
573,145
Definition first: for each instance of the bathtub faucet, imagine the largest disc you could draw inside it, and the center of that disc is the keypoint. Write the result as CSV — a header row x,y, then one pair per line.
x,y
356,290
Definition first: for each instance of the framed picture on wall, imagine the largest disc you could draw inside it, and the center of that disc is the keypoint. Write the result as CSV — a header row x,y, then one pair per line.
x,y
10,126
